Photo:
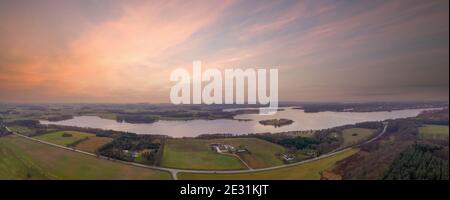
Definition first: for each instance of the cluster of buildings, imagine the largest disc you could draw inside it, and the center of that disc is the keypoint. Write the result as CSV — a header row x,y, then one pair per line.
x,y
289,157
226,148
4,130
133,154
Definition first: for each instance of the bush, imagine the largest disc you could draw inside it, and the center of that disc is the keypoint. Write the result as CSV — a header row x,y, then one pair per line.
x,y
66,135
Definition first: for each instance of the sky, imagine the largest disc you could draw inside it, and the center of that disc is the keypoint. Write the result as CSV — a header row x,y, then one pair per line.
x,y
124,51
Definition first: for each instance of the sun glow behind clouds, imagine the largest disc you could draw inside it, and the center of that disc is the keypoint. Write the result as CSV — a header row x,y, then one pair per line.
x,y
124,51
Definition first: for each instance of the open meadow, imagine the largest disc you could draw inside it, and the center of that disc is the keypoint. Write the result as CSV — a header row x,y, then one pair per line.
x,y
21,158
434,132
260,154
64,138
93,143
353,136
20,129
196,154
307,171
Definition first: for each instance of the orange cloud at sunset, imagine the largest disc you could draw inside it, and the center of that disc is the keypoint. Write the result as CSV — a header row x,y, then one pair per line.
x,y
115,57
124,51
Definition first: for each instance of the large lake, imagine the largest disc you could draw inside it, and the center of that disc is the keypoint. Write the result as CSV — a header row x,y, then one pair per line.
x,y
302,121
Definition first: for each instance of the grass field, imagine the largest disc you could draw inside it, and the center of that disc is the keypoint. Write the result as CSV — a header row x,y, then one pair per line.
x,y
93,143
356,135
261,153
196,154
58,138
307,171
21,158
434,132
20,129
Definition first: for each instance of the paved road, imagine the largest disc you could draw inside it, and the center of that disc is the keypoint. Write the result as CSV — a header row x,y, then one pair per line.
x,y
174,171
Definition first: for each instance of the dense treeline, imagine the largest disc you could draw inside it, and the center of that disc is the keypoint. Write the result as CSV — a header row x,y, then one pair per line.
x,y
328,140
375,158
59,118
153,116
137,118
134,142
323,141
370,106
217,136
124,146
438,117
3,130
369,125
298,142
403,127
419,163
276,122
398,145
322,144
27,123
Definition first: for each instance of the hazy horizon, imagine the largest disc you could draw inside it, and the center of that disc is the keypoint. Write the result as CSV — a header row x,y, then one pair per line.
x,y
245,104
124,51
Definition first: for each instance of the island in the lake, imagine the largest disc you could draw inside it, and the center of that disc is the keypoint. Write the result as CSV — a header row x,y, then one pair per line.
x,y
276,122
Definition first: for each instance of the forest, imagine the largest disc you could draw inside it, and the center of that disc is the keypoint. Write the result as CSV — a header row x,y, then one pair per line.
x,y
129,146
420,162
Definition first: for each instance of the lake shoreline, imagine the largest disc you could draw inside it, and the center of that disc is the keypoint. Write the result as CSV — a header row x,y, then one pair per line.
x,y
241,124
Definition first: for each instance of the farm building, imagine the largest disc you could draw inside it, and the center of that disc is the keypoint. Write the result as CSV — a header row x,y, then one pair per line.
x,y
288,157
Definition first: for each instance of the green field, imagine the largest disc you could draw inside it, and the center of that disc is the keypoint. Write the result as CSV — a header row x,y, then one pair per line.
x,y
434,132
307,171
20,129
21,158
196,154
58,138
261,153
93,143
356,135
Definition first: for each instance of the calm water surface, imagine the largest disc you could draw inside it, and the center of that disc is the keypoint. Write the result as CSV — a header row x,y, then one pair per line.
x,y
302,121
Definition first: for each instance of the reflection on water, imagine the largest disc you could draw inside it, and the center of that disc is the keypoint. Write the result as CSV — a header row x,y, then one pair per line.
x,y
302,121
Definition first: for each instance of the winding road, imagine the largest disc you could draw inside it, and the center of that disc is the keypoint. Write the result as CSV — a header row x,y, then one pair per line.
x,y
174,171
